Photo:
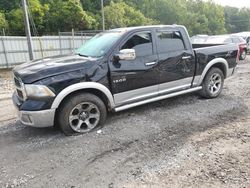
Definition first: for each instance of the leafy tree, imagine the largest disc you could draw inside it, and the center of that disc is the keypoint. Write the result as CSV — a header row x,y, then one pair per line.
x,y
121,15
237,20
94,6
49,16
65,15
37,14
3,21
203,17
199,16
15,20
231,16
8,5
165,11
215,15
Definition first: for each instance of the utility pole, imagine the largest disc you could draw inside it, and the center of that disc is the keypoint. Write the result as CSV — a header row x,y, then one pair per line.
x,y
3,32
103,19
27,29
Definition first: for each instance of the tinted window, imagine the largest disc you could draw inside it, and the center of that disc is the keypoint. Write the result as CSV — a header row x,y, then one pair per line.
x,y
141,42
169,41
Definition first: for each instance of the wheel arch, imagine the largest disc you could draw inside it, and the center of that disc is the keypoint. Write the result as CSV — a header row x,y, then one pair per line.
x,y
220,63
91,87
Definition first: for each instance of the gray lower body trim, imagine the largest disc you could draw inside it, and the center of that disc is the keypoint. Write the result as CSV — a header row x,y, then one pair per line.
x,y
161,97
152,91
39,119
175,85
199,79
135,95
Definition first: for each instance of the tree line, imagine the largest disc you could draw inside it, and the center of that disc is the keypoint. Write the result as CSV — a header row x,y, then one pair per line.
x,y
50,16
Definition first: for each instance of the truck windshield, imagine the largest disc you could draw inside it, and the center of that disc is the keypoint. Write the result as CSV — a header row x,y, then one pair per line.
x,y
99,45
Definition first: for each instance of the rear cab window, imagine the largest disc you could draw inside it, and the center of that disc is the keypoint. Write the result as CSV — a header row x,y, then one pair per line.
x,y
169,41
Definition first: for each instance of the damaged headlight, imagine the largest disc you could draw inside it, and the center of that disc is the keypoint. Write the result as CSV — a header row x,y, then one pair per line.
x,y
38,91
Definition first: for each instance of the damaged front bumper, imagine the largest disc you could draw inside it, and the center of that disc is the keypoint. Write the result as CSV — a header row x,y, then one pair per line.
x,y
36,118
44,118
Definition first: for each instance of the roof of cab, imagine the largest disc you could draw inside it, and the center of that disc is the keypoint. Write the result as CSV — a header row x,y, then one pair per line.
x,y
125,29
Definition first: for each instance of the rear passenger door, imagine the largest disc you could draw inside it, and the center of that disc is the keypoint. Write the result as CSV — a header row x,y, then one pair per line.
x,y
176,61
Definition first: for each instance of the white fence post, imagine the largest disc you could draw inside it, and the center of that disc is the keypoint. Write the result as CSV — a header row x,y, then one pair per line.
x,y
60,42
4,52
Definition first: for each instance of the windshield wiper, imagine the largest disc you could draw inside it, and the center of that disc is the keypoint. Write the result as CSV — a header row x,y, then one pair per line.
x,y
83,55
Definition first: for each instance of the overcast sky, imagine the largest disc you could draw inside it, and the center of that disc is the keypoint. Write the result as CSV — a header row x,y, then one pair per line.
x,y
234,3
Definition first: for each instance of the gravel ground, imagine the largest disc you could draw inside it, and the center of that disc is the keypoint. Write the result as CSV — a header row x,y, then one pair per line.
x,y
6,84
7,111
185,141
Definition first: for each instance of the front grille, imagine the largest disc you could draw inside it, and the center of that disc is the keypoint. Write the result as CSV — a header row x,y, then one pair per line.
x,y
17,82
20,94
19,88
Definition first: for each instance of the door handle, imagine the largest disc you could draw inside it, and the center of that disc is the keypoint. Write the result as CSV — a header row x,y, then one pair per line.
x,y
150,63
186,57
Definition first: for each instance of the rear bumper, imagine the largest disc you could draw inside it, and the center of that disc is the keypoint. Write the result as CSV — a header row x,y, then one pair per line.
x,y
40,119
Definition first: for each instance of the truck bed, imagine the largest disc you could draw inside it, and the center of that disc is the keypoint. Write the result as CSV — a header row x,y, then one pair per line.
x,y
207,52
202,45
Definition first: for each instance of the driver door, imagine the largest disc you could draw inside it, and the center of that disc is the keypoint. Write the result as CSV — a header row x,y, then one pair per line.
x,y
135,80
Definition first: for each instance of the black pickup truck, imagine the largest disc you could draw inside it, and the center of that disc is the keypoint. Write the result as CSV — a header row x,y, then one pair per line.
x,y
116,70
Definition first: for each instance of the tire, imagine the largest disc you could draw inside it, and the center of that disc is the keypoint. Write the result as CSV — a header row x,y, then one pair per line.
x,y
81,113
243,55
212,84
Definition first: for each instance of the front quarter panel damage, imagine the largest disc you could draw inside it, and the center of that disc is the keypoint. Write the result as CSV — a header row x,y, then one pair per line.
x,y
96,73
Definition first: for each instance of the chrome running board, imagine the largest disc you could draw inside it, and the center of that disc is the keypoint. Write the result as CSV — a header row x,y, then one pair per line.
x,y
161,97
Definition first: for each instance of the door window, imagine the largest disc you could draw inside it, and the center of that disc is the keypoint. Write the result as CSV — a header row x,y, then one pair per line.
x,y
169,41
141,43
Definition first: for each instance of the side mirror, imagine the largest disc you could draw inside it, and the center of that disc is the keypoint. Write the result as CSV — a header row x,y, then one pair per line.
x,y
126,54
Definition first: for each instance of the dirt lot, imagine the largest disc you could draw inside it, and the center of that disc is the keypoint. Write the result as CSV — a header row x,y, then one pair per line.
x,y
6,89
180,142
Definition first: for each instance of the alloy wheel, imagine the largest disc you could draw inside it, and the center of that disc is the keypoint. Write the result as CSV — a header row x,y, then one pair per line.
x,y
215,83
84,117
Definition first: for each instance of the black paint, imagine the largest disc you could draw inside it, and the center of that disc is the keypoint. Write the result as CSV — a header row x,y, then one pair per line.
x,y
62,71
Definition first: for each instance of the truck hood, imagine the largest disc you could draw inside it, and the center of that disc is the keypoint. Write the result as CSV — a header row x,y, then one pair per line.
x,y
52,66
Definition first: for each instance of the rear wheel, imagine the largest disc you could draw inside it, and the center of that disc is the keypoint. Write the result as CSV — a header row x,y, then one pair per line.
x,y
81,113
213,83
243,55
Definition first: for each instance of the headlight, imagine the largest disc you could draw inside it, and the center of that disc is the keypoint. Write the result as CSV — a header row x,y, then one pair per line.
x,y
38,91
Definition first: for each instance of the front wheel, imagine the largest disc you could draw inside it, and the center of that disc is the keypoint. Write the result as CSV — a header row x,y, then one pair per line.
x,y
212,84
81,113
